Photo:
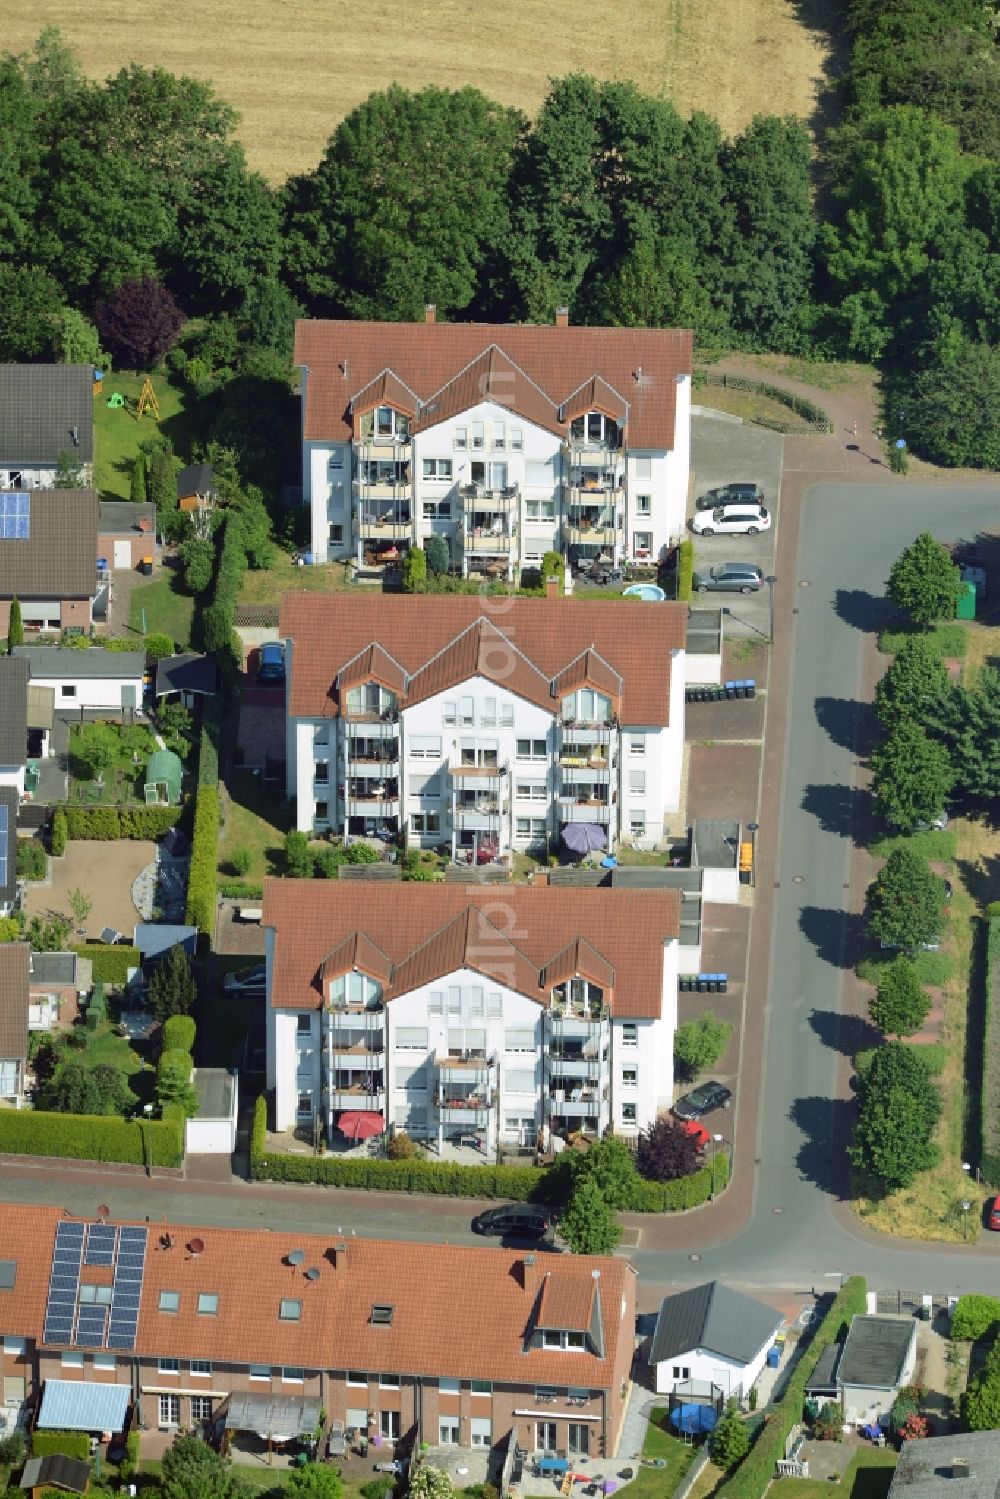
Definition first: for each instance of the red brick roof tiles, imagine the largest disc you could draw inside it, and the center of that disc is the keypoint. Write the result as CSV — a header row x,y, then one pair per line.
x,y
532,369
517,930
522,643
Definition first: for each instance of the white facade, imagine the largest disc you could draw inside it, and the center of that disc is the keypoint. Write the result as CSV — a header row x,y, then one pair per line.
x,y
501,489
465,1059
478,765
732,1377
13,775
112,693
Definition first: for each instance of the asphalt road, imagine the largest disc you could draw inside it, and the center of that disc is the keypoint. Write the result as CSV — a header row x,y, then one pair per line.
x,y
849,537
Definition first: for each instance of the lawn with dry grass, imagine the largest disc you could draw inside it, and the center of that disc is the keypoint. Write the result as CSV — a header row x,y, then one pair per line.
x,y
293,72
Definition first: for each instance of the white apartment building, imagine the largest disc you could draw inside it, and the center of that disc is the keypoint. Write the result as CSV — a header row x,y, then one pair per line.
x,y
466,1015
507,441
483,725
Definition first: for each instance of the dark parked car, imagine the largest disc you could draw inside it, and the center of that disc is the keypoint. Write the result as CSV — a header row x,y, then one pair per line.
x,y
704,1099
728,494
729,577
271,667
993,1214
516,1219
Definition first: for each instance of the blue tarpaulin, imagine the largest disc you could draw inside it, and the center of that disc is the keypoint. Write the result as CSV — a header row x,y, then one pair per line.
x,y
693,1419
78,1405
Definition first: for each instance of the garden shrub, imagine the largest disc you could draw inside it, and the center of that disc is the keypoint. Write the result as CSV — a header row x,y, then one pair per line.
x,y
111,963
208,744
201,892
65,1443
178,1033
90,1137
258,1136
685,570
241,889
973,1316
58,836
32,862
104,824
97,1008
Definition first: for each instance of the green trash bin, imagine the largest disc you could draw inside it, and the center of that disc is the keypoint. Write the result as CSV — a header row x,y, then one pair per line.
x,y
966,607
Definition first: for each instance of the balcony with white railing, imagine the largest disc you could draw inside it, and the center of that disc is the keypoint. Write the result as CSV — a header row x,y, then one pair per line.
x,y
491,499
481,812
477,778
585,804
574,733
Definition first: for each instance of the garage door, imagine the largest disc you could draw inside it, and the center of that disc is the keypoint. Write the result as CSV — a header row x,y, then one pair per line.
x,y
123,554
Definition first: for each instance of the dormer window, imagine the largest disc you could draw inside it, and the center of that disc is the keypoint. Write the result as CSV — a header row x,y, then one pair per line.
x,y
578,997
391,423
370,700
355,989
586,707
595,430
556,1337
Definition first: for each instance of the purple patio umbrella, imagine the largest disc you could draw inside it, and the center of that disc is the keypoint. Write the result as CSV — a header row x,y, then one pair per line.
x,y
584,837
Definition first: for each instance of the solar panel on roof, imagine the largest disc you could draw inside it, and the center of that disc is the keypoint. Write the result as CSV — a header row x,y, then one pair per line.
x,y
3,845
101,1244
15,516
126,1292
64,1282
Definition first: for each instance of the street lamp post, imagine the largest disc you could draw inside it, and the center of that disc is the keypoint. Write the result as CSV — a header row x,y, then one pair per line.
x,y
718,1140
752,828
770,580
966,1205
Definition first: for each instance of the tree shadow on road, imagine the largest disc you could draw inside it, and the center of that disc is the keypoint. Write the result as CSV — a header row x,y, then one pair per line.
x,y
851,725
837,936
847,1034
864,611
827,1124
847,811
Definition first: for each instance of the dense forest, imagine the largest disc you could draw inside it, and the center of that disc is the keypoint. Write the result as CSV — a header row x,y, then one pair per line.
x,y
127,209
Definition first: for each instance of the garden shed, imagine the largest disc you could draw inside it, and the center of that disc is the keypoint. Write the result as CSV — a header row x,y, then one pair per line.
x,y
164,774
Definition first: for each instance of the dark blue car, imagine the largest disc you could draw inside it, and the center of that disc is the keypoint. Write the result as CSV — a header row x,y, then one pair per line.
x,y
271,667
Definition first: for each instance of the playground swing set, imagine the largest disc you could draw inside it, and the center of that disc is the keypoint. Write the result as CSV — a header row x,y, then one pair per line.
x,y
147,402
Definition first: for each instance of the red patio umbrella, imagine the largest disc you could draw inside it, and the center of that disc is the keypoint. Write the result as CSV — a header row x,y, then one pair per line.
x,y
361,1125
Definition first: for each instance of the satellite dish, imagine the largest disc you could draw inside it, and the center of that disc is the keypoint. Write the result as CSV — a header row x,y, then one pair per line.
x,y
103,1212
312,1273
197,1246
296,1256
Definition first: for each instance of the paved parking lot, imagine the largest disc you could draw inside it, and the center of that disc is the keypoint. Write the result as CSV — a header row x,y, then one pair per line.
x,y
723,452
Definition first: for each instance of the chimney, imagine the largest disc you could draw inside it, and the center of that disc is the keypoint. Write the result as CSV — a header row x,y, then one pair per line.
x,y
551,588
562,317
74,433
430,313
541,877
343,368
960,1468
339,1256
530,1274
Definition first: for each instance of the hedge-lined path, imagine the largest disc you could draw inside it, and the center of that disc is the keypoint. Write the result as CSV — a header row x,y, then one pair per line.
x,y
106,871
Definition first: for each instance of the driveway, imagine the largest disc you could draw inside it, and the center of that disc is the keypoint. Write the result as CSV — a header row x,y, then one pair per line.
x,y
723,452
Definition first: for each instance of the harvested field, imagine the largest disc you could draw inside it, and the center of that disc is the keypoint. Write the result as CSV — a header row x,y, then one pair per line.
x,y
293,70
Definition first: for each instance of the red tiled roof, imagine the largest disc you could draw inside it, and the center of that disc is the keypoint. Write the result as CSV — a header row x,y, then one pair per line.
x,y
458,1312
522,643
530,370
428,931
566,1302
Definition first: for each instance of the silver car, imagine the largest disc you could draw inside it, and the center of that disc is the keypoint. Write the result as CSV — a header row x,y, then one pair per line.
x,y
729,577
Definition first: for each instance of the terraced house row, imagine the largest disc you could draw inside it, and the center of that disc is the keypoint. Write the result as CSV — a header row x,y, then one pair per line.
x,y
112,1326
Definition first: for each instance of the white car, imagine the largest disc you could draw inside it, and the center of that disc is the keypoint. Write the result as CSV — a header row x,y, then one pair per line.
x,y
732,520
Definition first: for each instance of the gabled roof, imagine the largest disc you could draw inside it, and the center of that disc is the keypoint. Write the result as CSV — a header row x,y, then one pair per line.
x,y
926,1469
187,673
373,664
591,670
14,999
58,1471
59,558
875,1351
716,1319
385,390
529,369
357,952
55,662
578,959
595,395
13,710
196,478
457,1311
40,405
527,646
567,1304
428,931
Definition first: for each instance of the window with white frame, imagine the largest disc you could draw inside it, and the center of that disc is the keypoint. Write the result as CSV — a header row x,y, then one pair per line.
x,y
482,1387
168,1366
390,1425
531,791
71,1360
644,504
411,1038
488,717
637,745
539,507
630,1077
260,1371
466,710
587,706
630,1113
499,434
356,1378
435,1002
681,1371
643,467
449,712
449,1386
412,1079
520,1081
15,1347
370,698
105,1361
293,1376
557,1337
170,1301
494,1004
506,715
637,782
532,749
481,1431
169,1410
516,1038
448,1431
642,543
517,439
532,828
637,825
200,1368
436,509
630,1034
388,1381
391,423
201,1407
454,1000
424,746
438,468
478,434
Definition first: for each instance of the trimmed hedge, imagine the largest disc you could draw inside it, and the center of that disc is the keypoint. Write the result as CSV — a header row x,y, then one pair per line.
x,y
813,416
58,835
973,1316
111,962
242,889
178,1034
989,1153
64,1443
201,891
105,824
97,1008
90,1137
685,571
208,744
755,1472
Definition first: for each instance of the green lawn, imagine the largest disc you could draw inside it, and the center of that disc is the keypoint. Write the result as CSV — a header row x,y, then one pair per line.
x,y
935,845
263,1481
122,781
949,639
868,1477
656,1483
256,819
284,577
168,611
117,433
